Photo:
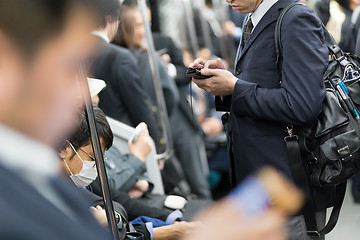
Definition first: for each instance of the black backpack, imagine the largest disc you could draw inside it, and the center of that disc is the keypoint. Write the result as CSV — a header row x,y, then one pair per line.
x,y
328,152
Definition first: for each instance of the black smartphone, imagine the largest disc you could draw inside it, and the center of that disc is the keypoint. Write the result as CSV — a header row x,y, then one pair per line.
x,y
196,73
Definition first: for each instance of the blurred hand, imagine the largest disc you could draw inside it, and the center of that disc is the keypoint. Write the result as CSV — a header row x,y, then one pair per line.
x,y
176,231
100,215
223,222
221,82
212,126
212,64
141,187
228,28
142,147
166,59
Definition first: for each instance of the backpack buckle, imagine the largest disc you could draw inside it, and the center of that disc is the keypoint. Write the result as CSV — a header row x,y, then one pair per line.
x,y
313,233
336,50
312,160
290,131
345,153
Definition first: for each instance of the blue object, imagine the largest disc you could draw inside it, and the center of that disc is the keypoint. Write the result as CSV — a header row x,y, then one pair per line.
x,y
343,87
143,220
251,197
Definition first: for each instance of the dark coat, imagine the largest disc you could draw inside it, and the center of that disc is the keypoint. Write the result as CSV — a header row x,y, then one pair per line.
x,y
26,214
262,105
123,99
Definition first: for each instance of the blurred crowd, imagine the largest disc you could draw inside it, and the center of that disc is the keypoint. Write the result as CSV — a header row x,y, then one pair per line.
x,y
129,85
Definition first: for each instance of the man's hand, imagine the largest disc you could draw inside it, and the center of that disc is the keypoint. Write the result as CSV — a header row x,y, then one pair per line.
x,y
220,83
100,215
212,64
222,222
137,191
176,231
142,147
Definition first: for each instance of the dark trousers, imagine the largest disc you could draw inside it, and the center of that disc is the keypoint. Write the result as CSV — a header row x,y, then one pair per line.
x,y
189,147
297,227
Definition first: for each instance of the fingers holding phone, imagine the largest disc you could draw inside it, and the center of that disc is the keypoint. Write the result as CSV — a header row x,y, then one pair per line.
x,y
139,143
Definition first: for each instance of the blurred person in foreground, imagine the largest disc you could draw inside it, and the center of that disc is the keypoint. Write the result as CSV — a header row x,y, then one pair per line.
x,y
42,44
255,210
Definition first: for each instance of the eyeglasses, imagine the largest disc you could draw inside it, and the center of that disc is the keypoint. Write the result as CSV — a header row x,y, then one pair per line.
x,y
90,156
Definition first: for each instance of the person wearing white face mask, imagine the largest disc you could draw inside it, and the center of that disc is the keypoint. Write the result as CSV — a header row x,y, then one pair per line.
x,y
77,154
78,165
87,174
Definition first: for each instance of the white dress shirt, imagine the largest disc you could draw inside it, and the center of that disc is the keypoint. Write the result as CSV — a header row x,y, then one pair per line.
x,y
261,11
101,35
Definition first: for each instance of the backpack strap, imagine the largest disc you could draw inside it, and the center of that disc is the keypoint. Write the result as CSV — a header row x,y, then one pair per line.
x,y
329,40
301,179
293,149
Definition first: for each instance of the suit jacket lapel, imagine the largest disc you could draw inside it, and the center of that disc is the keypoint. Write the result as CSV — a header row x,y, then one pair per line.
x,y
269,17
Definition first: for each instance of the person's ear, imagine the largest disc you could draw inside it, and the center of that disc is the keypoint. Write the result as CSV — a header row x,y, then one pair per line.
x,y
66,153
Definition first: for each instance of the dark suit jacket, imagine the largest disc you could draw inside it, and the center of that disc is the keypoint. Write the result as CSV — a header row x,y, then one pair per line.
x,y
25,214
123,99
261,106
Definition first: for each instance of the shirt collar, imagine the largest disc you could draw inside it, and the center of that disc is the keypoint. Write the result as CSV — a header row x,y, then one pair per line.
x,y
101,35
26,155
261,11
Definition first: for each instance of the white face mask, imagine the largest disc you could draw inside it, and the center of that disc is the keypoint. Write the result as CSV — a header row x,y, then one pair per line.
x,y
87,174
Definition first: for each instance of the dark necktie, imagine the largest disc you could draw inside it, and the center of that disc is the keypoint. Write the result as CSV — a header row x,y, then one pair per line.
x,y
248,27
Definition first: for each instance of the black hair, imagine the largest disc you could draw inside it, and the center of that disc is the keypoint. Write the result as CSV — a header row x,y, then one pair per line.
x,y
28,23
110,9
81,137
345,4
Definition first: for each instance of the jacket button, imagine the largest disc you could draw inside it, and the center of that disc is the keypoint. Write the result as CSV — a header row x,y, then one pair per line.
x,y
238,71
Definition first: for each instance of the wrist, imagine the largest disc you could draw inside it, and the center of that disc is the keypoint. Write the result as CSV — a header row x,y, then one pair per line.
x,y
232,84
138,155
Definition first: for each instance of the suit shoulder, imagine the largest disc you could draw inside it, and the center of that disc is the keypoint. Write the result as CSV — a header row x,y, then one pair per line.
x,y
301,13
121,54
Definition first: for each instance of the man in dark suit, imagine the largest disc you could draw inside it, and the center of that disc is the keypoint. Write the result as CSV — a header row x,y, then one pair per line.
x,y
261,100
39,99
123,99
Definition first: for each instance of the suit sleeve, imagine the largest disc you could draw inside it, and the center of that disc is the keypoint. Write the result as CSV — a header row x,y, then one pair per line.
x,y
133,96
305,59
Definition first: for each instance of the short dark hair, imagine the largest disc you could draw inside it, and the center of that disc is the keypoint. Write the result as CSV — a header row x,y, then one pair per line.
x,y
111,8
81,137
29,22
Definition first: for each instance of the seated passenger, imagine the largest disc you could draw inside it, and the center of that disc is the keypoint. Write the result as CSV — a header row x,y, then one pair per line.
x,y
126,172
78,166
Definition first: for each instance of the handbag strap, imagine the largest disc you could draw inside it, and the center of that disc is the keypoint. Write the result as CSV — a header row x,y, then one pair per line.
x,y
301,179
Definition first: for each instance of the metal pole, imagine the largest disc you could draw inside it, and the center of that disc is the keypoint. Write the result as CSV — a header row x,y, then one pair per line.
x,y
99,159
227,48
157,83
189,18
205,27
